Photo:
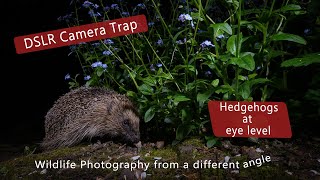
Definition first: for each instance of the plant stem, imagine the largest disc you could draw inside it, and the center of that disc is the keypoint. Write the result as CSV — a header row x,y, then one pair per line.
x,y
238,48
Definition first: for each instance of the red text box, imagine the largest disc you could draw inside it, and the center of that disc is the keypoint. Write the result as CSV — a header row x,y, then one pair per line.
x,y
249,119
78,34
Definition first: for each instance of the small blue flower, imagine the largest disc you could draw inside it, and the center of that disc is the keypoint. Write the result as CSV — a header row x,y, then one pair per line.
x,y
159,42
184,17
67,76
96,6
125,13
201,31
116,49
96,64
93,14
108,41
150,24
114,6
87,4
141,5
307,31
158,18
87,77
208,73
106,52
152,68
95,44
107,8
181,41
73,48
192,24
221,36
258,68
159,65
104,66
206,43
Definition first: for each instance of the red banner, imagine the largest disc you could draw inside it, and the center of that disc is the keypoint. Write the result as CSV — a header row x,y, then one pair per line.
x,y
78,34
249,119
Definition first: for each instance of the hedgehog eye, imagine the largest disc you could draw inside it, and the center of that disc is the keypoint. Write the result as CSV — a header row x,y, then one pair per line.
x,y
126,122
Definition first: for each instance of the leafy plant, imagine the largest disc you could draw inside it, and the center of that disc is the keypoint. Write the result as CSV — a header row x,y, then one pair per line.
x,y
186,58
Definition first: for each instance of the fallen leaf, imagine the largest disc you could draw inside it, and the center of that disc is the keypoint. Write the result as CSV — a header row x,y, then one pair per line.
x,y
135,158
288,172
157,158
259,150
315,172
226,159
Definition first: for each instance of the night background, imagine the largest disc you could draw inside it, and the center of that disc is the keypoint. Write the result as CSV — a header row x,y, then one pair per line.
x,y
31,82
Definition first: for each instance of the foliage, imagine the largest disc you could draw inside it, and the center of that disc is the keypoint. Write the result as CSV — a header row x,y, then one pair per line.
x,y
302,61
187,57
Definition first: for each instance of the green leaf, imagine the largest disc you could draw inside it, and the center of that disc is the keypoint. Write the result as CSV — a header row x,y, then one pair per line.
x,y
211,142
215,83
164,75
231,45
146,89
288,37
151,81
131,94
257,81
245,90
255,24
302,61
251,76
289,7
179,98
196,16
100,71
149,114
183,130
224,89
189,67
242,78
178,34
185,115
234,3
88,83
245,62
221,26
203,97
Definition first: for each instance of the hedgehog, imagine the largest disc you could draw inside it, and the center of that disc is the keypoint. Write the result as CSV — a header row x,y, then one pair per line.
x,y
90,112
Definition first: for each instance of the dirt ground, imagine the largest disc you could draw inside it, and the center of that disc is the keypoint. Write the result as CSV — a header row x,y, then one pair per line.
x,y
267,159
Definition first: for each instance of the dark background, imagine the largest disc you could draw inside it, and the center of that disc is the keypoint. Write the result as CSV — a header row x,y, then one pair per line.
x,y
31,82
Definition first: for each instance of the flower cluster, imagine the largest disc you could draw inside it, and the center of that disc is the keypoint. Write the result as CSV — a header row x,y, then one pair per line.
x,y
184,17
142,6
159,42
114,6
88,77
152,68
107,52
93,14
206,43
108,41
181,41
99,64
67,76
